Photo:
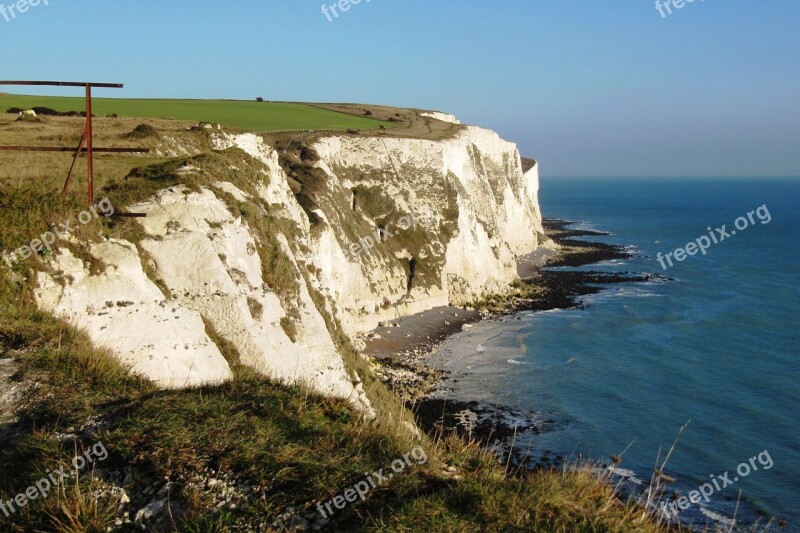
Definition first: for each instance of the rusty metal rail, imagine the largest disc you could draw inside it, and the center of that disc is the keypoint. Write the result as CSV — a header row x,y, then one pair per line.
x,y
67,149
86,137
65,84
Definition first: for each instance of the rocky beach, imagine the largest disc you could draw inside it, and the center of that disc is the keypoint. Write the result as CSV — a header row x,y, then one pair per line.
x,y
401,349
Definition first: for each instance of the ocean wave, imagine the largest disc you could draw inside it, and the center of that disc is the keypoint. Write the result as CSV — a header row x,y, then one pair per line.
x,y
620,292
612,262
640,294
716,517
567,312
624,473
583,225
615,471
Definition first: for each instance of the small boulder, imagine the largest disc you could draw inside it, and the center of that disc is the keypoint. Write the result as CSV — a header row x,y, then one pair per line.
x,y
28,115
150,511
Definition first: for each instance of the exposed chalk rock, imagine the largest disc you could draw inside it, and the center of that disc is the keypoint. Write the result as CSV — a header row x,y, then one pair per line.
x,y
444,117
124,311
217,272
395,226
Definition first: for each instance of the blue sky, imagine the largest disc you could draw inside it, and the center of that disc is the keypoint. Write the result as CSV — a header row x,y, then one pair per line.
x,y
587,87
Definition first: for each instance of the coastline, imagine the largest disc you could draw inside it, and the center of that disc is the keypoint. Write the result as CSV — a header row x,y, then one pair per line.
x,y
399,349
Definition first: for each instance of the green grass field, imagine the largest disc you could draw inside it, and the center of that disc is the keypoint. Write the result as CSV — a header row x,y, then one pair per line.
x,y
251,116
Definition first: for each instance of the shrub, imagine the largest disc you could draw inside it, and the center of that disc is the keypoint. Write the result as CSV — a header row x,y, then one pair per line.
x,y
46,111
142,131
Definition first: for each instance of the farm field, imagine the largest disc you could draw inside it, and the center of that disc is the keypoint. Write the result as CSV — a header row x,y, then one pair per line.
x,y
247,115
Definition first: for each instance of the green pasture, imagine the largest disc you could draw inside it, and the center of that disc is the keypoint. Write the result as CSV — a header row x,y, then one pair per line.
x,y
247,115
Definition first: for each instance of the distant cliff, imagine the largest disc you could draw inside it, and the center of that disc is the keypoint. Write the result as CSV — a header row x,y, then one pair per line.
x,y
257,254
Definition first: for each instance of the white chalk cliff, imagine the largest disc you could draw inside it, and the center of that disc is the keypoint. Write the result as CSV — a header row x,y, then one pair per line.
x,y
382,227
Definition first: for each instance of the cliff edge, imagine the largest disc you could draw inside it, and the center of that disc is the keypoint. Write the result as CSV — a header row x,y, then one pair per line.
x,y
258,251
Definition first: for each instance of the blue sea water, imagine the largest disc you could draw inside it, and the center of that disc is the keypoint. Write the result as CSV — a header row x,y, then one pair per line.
x,y
717,344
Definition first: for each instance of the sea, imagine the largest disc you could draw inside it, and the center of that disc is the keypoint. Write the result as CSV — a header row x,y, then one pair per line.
x,y
712,349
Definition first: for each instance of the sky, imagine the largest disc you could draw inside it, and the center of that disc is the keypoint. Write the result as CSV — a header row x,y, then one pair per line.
x,y
587,87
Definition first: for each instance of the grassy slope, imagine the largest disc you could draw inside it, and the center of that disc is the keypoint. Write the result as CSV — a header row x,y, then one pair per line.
x,y
292,447
253,116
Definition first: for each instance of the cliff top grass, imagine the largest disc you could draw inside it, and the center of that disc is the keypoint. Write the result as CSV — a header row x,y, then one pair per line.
x,y
405,123
241,114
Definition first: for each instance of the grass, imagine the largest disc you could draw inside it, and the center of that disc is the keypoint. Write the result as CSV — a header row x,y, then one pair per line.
x,y
289,447
246,115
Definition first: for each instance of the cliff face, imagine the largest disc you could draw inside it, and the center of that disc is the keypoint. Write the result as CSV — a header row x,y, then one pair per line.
x,y
472,212
361,229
